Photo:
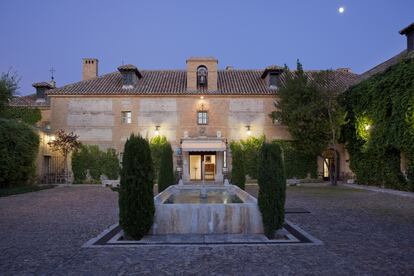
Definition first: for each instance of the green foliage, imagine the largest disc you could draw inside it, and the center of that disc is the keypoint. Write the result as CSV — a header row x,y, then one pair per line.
x,y
18,149
157,144
251,148
384,102
27,115
272,188
90,157
166,176
297,163
8,86
136,203
238,175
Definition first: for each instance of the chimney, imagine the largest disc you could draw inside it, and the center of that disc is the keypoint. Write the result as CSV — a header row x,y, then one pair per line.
x,y
229,68
41,88
89,68
409,33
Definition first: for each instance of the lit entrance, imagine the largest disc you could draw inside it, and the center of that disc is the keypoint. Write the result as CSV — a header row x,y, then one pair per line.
x,y
329,164
202,165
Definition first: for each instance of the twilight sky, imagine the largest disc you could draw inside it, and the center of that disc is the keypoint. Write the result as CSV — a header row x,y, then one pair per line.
x,y
38,35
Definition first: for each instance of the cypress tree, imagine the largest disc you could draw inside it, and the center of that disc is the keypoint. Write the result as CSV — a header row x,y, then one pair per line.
x,y
166,174
238,175
272,188
136,203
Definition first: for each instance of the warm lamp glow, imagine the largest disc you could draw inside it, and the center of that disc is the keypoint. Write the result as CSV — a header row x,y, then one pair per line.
x,y
249,132
157,130
202,97
367,127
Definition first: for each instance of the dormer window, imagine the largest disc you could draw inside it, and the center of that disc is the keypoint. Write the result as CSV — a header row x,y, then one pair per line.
x,y
130,76
271,76
273,80
202,76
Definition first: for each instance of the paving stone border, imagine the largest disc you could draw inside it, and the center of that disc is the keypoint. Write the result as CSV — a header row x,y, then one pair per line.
x,y
291,233
378,189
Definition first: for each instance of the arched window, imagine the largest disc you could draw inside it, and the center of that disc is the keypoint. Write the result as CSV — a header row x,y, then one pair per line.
x,y
201,76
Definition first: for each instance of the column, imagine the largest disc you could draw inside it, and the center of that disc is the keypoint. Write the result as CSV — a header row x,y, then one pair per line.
x,y
219,166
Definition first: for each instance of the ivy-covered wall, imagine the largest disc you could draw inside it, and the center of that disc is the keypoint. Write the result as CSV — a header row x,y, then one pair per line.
x,y
380,113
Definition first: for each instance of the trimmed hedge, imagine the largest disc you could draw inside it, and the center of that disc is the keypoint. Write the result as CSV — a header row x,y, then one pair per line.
x,y
272,188
90,157
166,176
380,115
297,164
238,175
19,145
251,150
136,203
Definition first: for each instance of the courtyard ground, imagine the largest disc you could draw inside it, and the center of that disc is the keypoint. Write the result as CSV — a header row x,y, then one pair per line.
x,y
363,232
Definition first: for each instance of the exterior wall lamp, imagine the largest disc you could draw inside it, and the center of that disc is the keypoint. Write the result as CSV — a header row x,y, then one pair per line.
x,y
157,130
249,132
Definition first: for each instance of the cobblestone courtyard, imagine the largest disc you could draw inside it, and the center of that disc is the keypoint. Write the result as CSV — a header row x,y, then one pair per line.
x,y
363,232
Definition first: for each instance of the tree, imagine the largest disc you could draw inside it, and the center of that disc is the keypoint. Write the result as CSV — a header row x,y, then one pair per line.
x,y
272,188
238,175
65,143
166,175
18,149
136,203
8,87
308,106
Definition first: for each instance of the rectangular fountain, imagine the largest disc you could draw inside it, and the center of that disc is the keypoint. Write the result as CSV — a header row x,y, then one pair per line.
x,y
206,209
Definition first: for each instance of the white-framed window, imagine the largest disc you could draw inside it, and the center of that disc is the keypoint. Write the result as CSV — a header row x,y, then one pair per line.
x,y
126,117
202,118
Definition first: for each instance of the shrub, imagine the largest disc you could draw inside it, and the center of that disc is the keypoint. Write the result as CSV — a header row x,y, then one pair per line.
x,y
136,203
272,188
166,175
251,150
80,161
18,149
90,157
110,164
156,145
238,175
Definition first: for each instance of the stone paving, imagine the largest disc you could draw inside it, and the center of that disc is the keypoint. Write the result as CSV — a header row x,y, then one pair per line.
x,y
364,232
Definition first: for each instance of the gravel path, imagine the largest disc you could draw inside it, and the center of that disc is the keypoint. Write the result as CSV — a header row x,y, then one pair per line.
x,y
363,233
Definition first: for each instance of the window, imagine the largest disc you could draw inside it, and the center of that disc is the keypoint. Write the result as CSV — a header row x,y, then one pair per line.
x,y
201,76
126,117
273,80
202,118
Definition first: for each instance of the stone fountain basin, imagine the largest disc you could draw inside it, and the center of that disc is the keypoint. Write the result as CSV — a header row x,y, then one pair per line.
x,y
206,218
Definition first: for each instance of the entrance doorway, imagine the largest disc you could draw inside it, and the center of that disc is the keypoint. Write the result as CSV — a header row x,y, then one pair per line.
x,y
329,164
202,166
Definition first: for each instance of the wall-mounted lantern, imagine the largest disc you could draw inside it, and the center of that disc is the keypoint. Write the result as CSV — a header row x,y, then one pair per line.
x,y
249,132
157,130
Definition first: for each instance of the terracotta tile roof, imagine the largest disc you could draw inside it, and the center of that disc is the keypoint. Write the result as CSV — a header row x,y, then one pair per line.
x,y
174,82
29,100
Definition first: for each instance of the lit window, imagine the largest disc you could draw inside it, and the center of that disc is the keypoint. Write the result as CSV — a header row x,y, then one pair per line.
x,y
202,118
224,159
126,117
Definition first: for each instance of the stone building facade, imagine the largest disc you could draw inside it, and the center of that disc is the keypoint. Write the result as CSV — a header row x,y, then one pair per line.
x,y
200,110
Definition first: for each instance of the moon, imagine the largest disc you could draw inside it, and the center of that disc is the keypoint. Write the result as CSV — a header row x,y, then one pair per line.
x,y
341,9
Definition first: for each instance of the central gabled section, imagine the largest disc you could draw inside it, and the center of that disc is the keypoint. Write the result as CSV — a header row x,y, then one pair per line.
x,y
202,74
